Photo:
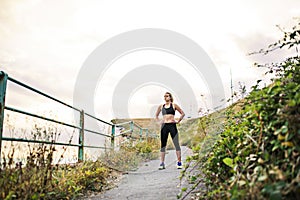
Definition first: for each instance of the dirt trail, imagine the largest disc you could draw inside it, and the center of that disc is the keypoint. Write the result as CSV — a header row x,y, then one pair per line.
x,y
149,183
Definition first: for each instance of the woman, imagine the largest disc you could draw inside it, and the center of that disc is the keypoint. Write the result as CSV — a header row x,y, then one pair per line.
x,y
168,125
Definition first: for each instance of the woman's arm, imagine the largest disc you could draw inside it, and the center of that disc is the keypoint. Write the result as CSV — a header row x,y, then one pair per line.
x,y
180,111
157,112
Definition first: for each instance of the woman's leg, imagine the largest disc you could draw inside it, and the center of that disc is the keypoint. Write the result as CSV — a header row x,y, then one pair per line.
x,y
175,139
163,138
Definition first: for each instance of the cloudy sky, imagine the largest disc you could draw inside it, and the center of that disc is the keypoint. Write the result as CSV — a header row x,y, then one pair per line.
x,y
45,44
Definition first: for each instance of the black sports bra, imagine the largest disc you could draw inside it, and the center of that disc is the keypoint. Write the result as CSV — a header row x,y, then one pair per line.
x,y
168,111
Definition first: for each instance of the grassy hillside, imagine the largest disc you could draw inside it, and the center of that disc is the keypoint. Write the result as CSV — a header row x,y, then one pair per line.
x,y
256,152
250,150
149,123
204,131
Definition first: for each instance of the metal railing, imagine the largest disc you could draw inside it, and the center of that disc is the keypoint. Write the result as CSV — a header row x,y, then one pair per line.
x,y
4,78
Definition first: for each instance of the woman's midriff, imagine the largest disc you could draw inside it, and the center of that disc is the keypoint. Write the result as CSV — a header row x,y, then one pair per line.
x,y
169,119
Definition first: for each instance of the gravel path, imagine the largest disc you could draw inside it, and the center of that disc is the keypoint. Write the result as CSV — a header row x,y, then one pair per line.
x,y
149,183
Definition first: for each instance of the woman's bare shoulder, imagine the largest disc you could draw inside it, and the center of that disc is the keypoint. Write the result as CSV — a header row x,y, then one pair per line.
x,y
176,106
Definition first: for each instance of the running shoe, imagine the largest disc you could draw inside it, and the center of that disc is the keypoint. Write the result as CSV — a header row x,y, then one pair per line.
x,y
162,166
179,165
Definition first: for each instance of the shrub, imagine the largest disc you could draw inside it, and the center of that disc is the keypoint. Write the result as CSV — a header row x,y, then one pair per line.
x,y
256,155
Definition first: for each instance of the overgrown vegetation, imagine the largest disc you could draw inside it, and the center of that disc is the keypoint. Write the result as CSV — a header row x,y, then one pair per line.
x,y
39,178
252,153
131,155
194,131
256,156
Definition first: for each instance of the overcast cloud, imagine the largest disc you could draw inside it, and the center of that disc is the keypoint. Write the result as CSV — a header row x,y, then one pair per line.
x,y
45,43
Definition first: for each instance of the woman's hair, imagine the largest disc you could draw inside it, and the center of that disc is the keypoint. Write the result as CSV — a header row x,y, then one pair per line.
x,y
171,97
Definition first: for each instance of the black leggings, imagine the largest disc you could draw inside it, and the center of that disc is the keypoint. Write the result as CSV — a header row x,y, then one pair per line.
x,y
167,128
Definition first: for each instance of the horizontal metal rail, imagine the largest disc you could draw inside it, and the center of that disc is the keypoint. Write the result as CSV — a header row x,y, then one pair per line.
x,y
97,133
98,119
123,123
41,93
3,84
48,142
41,117
39,141
123,132
137,126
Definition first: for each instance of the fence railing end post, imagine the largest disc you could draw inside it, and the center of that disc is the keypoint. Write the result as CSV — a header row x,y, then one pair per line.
x,y
3,84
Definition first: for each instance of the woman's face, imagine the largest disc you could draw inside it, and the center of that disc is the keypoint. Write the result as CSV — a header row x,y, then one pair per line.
x,y
167,97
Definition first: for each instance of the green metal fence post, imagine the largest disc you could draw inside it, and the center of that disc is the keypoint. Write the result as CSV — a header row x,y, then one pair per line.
x,y
141,134
81,137
147,134
3,83
131,126
113,131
